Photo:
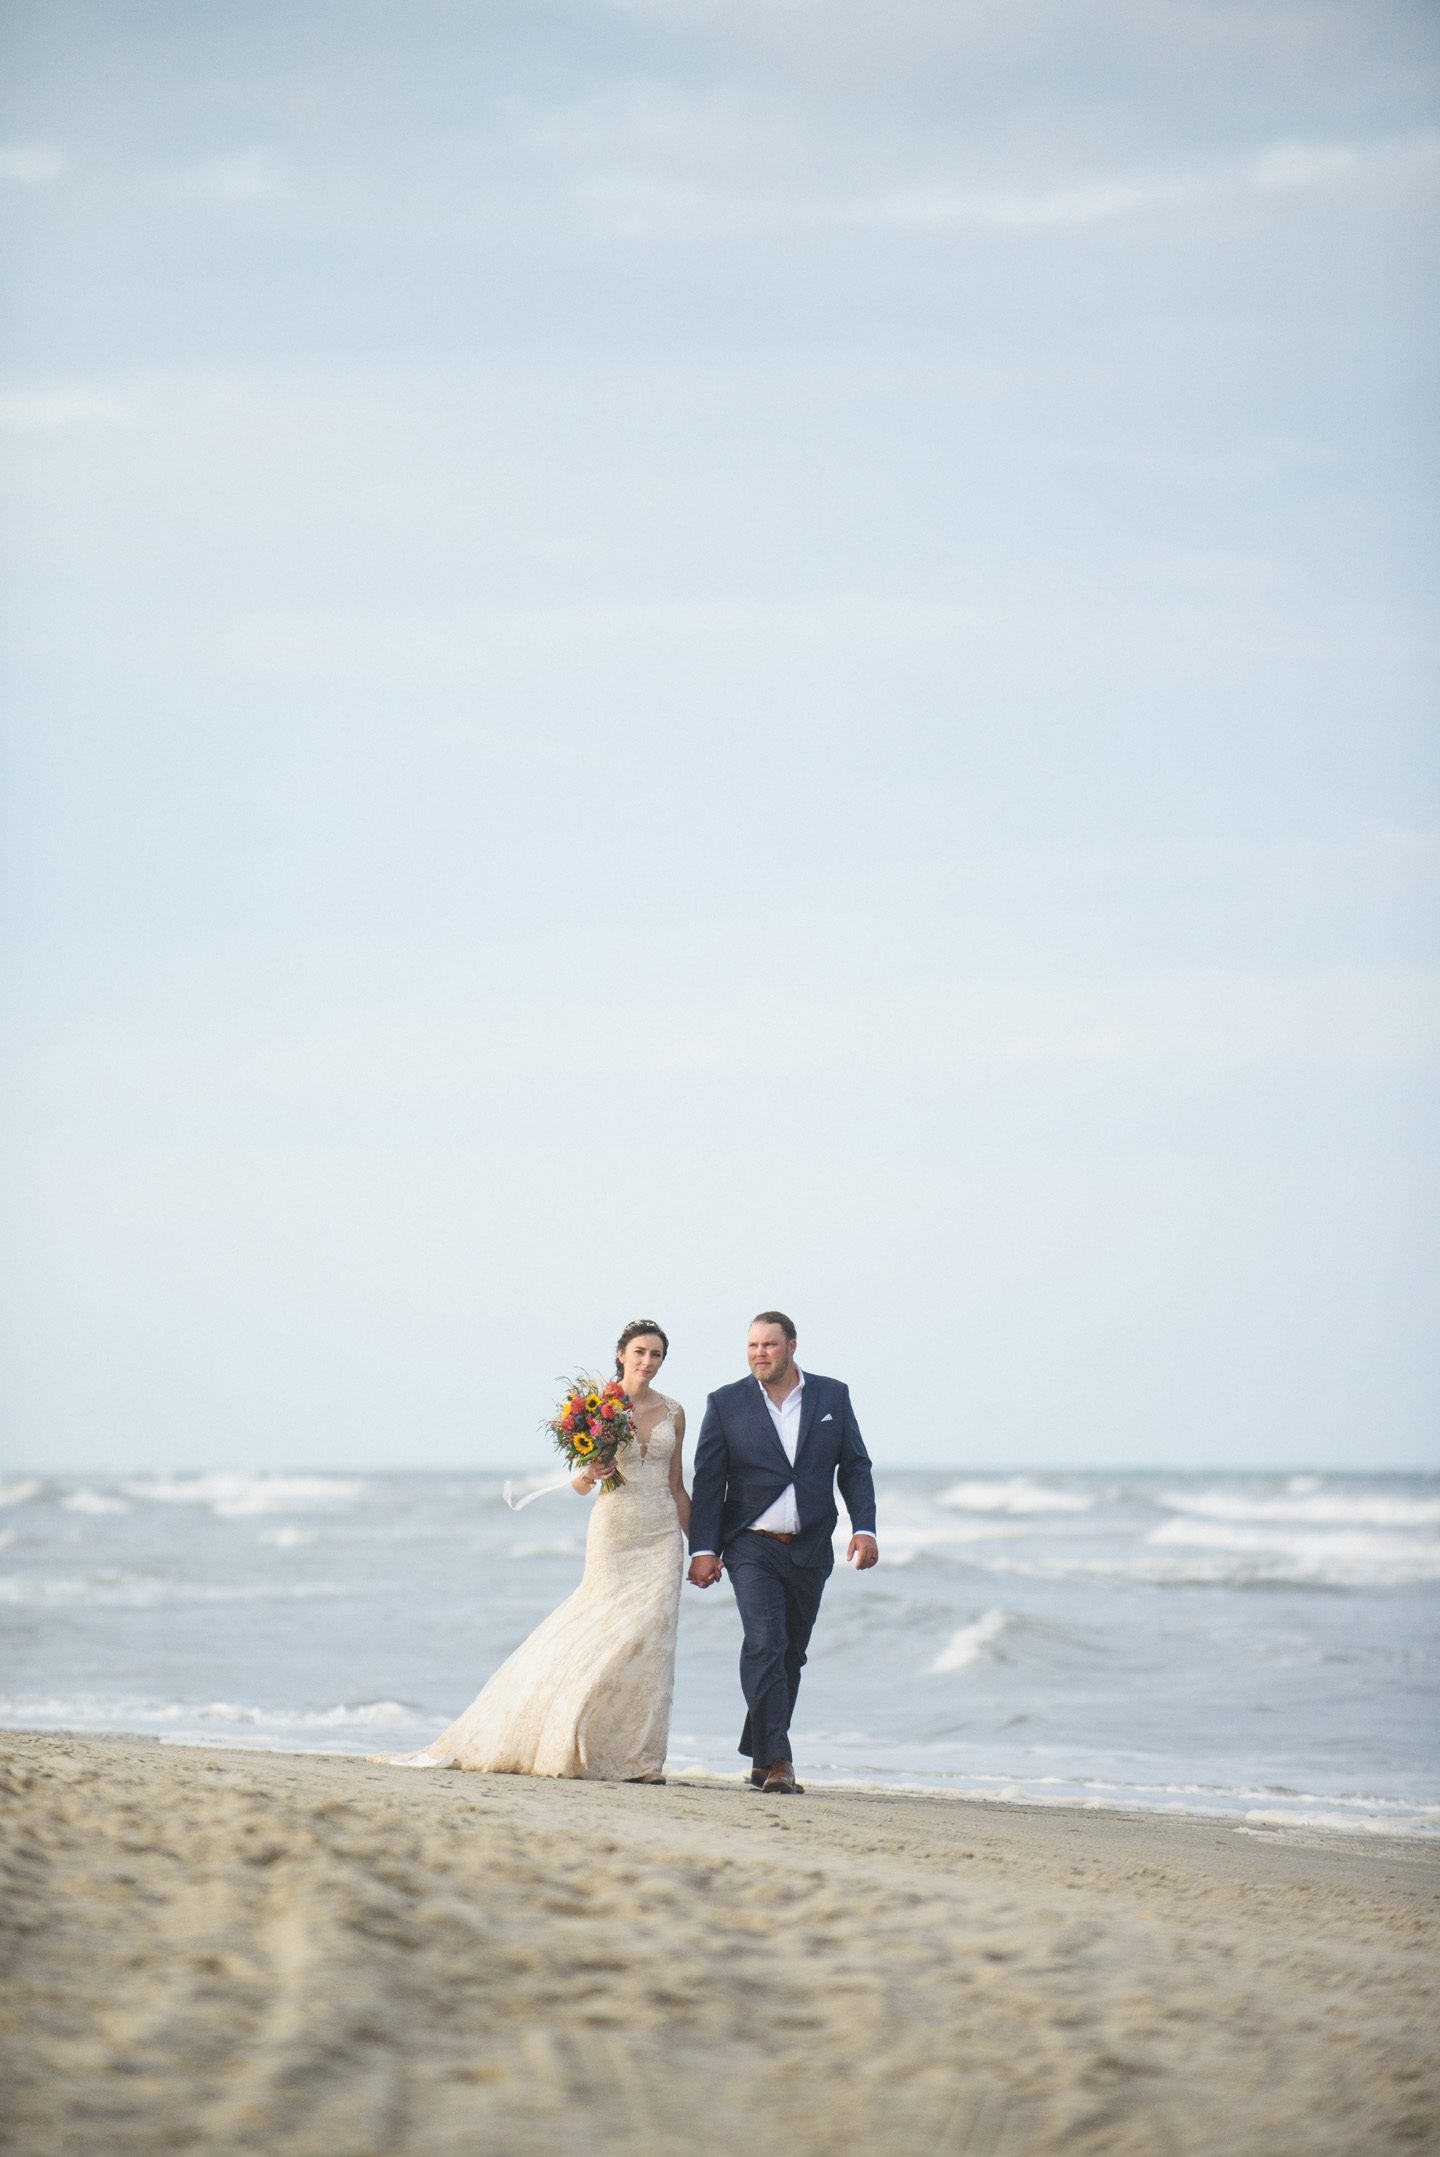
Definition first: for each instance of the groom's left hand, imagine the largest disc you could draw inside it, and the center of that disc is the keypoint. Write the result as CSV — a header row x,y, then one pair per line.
x,y
864,1552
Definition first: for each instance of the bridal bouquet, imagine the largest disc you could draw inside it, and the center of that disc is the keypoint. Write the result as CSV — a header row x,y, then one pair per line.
x,y
592,1424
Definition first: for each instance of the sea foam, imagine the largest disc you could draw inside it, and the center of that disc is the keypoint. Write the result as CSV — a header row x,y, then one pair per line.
x,y
94,1502
96,1713
232,1497
1015,1494
1336,1556
138,1591
1307,1507
971,1643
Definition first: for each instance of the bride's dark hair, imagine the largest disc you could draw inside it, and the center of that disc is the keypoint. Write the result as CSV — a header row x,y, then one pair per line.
x,y
636,1327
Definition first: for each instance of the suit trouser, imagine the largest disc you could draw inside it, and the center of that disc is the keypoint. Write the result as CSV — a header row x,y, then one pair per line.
x,y
778,1602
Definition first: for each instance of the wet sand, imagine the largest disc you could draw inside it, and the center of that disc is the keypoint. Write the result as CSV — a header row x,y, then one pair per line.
x,y
297,1954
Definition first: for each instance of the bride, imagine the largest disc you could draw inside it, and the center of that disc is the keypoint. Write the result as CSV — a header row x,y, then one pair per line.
x,y
588,1694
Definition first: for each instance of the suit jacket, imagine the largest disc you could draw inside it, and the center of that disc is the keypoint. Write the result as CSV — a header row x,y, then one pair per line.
x,y
741,1468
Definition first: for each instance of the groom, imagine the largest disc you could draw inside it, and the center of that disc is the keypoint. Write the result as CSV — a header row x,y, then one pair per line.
x,y
771,1449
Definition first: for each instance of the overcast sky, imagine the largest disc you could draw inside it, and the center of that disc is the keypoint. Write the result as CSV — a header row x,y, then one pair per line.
x,y
688,654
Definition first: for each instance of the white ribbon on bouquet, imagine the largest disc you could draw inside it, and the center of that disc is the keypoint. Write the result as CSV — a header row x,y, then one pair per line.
x,y
518,1505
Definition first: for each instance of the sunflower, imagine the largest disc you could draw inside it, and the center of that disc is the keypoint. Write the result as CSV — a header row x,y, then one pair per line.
x,y
592,1402
583,1442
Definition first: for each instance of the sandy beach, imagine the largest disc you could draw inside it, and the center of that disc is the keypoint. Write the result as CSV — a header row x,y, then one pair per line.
x,y
215,1951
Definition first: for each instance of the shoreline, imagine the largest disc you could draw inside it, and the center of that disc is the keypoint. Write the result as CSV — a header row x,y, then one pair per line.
x,y
1258,1812
302,1953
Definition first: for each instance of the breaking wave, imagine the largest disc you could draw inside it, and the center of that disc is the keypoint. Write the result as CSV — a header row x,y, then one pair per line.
x,y
1013,1494
1201,1554
1342,1556
1307,1508
139,1591
233,1497
972,1642
95,1713
95,1502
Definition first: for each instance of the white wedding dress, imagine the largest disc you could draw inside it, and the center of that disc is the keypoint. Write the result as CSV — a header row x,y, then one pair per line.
x,y
588,1694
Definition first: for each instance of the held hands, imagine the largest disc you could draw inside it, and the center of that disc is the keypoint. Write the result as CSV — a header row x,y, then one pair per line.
x,y
704,1572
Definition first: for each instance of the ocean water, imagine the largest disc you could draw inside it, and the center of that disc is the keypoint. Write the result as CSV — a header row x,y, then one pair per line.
x,y
1253,1646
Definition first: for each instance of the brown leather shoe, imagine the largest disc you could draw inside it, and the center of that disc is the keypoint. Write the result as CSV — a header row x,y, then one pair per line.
x,y
757,1778
780,1782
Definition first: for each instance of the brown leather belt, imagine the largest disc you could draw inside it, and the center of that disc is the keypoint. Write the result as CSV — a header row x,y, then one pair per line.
x,y
773,1535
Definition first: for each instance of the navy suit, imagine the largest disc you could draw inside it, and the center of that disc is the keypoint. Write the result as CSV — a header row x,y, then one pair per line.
x,y
740,1470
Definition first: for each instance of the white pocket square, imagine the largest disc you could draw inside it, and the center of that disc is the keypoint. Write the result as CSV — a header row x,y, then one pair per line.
x,y
827,1417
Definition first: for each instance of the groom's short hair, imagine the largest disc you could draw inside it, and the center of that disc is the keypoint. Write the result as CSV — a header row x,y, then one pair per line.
x,y
776,1318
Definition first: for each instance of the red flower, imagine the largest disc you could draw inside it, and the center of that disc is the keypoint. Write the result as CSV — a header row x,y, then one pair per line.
x,y
608,1411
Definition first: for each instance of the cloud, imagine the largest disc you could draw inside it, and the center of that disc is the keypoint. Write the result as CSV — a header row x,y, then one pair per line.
x,y
250,177
1304,164
669,14
645,158
1287,165
1283,167
31,163
466,649
1086,203
63,411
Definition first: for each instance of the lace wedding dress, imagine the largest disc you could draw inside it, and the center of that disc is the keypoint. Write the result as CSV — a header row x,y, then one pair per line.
x,y
588,1694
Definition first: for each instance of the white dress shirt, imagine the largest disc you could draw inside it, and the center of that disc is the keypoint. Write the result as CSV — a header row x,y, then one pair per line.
x,y
783,1517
